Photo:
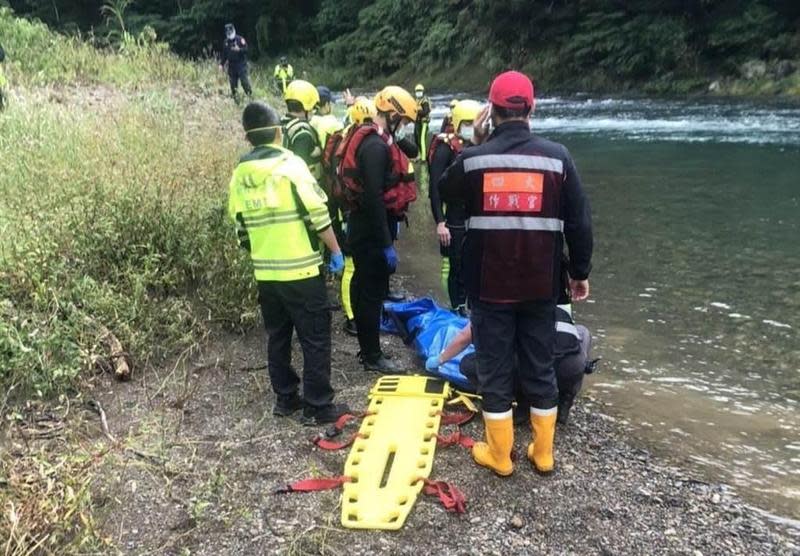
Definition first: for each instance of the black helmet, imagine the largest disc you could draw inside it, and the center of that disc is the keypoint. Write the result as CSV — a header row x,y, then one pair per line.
x,y
325,95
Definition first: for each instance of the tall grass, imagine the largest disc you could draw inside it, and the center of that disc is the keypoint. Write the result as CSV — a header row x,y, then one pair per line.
x,y
111,207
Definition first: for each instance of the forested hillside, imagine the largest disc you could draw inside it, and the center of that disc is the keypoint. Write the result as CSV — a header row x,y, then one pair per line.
x,y
661,45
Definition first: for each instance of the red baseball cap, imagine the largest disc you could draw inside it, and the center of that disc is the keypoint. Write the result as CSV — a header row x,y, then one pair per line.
x,y
512,89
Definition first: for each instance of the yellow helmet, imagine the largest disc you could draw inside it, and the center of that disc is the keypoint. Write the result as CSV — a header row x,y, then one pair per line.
x,y
361,110
453,103
396,100
303,92
465,111
419,87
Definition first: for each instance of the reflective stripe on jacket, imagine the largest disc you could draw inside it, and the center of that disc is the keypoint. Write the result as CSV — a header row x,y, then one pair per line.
x,y
278,209
522,196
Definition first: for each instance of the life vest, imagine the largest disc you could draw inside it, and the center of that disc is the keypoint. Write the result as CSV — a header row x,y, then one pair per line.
x,y
399,191
453,141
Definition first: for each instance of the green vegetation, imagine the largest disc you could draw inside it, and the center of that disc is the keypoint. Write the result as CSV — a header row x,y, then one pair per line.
x,y
112,221
651,45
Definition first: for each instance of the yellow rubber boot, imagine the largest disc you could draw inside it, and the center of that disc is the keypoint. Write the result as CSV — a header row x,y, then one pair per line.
x,y
495,453
540,451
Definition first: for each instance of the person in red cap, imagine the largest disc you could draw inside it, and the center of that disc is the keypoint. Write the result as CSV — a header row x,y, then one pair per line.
x,y
523,199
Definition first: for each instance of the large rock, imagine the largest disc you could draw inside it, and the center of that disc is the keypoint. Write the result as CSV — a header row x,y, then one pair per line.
x,y
753,69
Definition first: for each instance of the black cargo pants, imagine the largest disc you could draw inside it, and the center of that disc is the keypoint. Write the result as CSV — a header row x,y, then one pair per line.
x,y
300,305
509,333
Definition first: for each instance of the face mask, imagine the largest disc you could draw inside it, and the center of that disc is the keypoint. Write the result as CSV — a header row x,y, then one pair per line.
x,y
231,35
418,94
401,132
467,132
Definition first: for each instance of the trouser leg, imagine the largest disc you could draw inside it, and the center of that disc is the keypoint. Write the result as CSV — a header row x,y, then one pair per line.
x,y
455,279
535,339
233,79
307,302
493,332
244,76
368,289
278,324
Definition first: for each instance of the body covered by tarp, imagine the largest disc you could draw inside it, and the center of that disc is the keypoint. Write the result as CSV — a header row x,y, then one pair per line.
x,y
429,328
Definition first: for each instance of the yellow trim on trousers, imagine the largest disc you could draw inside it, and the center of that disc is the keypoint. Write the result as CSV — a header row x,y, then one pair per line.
x,y
347,278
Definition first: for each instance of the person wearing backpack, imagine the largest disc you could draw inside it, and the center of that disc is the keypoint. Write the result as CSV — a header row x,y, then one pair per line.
x,y
450,229
378,186
299,136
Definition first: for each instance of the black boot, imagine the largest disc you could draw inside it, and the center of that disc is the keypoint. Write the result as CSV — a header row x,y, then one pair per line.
x,y
380,364
313,416
565,401
286,405
350,327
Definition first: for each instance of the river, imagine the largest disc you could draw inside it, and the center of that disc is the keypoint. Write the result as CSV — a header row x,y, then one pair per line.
x,y
695,304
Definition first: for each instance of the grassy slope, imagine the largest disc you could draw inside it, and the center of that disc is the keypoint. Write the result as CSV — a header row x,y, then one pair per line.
x,y
113,175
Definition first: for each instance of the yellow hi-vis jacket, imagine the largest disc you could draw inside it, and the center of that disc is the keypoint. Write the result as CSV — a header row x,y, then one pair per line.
x,y
284,73
326,126
279,209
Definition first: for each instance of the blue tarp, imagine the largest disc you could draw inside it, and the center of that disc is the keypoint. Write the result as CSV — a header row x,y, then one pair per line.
x,y
429,328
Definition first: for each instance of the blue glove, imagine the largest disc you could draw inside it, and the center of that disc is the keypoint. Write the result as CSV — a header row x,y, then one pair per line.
x,y
432,363
391,257
337,263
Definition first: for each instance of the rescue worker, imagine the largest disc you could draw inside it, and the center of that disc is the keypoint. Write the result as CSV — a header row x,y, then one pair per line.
x,y
376,174
447,121
280,217
423,118
522,196
573,344
324,122
234,57
450,231
361,112
299,136
283,75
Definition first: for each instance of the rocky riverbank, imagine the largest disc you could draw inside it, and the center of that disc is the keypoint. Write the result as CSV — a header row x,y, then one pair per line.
x,y
197,455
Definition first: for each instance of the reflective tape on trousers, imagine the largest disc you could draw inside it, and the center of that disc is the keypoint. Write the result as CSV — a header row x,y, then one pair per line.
x,y
490,161
526,223
567,328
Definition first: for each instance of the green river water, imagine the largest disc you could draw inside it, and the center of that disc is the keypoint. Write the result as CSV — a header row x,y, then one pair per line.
x,y
695,304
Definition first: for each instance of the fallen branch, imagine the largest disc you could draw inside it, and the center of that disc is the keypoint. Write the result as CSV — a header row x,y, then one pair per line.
x,y
95,405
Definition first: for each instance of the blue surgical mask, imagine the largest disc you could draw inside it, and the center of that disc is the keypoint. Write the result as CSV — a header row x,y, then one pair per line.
x,y
467,132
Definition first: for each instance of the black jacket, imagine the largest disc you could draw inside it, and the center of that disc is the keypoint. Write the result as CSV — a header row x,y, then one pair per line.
x,y
443,157
236,59
512,263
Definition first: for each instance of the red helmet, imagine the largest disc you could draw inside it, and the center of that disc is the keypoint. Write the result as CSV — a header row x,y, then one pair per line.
x,y
513,90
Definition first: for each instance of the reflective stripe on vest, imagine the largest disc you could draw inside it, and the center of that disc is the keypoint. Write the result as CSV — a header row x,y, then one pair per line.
x,y
488,161
525,223
567,328
287,264
277,217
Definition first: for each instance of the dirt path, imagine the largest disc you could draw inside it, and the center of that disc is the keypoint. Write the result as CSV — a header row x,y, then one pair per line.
x,y
197,455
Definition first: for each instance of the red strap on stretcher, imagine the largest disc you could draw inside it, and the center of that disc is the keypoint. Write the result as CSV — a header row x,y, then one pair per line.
x,y
313,485
456,417
448,494
456,438
324,442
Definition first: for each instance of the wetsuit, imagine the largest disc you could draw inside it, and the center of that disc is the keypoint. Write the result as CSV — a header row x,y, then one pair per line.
x,y
236,60
454,216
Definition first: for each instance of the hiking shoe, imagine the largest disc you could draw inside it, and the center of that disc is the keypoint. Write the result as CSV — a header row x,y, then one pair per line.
x,y
382,365
350,327
286,405
313,416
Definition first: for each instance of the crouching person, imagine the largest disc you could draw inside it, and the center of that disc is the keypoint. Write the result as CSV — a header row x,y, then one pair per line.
x,y
280,216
